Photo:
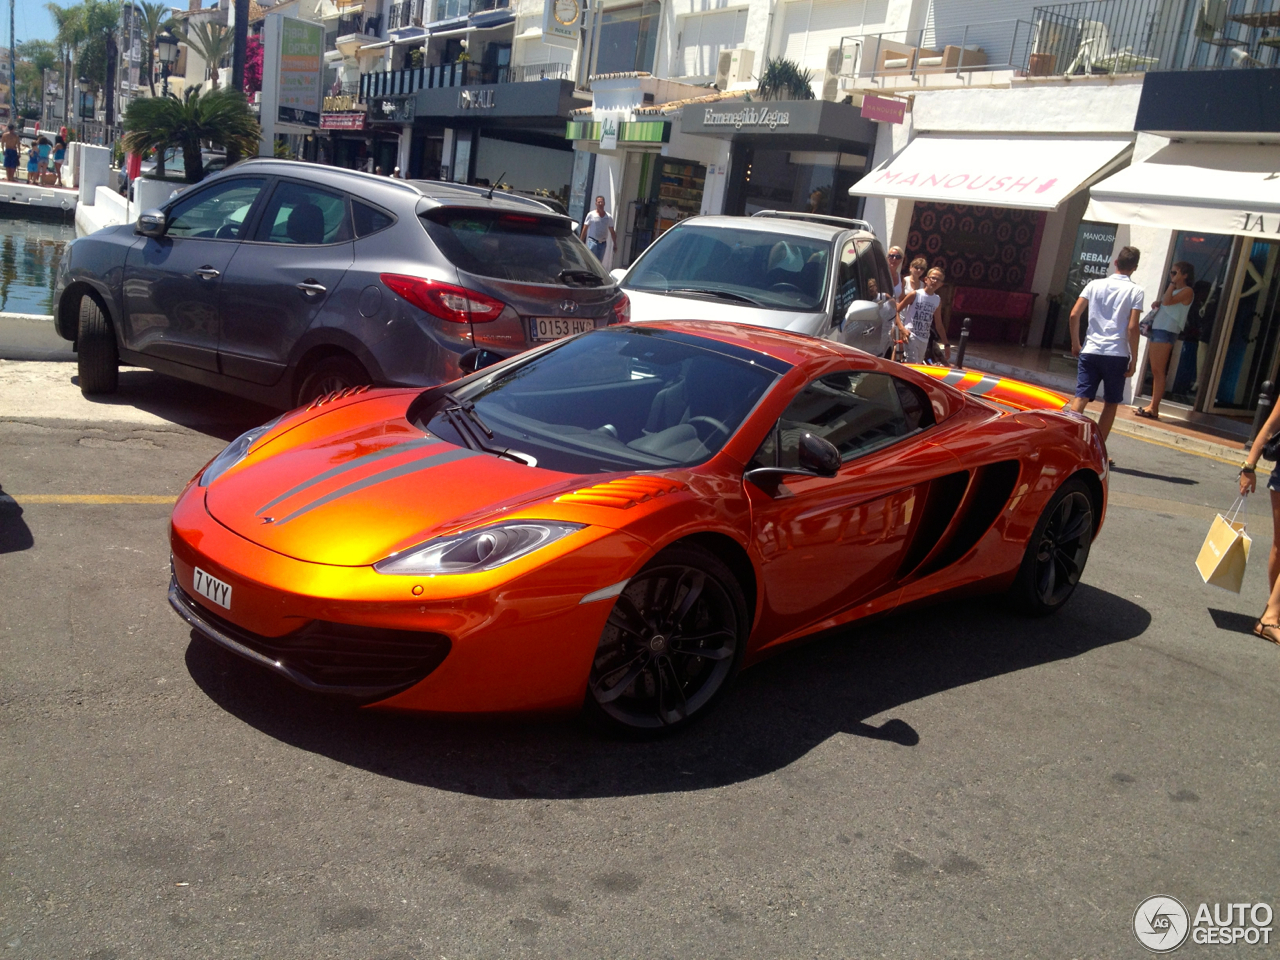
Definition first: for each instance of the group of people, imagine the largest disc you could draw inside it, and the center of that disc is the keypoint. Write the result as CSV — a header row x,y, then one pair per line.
x,y
919,317
42,156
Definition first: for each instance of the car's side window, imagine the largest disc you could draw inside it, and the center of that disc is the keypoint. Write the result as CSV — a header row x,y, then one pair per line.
x,y
848,281
857,411
299,213
218,213
872,286
369,219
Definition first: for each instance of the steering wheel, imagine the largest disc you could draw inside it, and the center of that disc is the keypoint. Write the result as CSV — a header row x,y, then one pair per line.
x,y
786,286
228,231
712,422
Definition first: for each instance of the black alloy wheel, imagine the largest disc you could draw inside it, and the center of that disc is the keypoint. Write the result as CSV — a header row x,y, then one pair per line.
x,y
671,645
331,375
1057,551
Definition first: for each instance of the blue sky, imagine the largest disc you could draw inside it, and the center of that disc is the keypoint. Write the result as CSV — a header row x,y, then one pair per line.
x,y
31,20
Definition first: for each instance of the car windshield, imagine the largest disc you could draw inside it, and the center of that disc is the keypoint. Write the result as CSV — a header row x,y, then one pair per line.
x,y
757,267
616,399
514,246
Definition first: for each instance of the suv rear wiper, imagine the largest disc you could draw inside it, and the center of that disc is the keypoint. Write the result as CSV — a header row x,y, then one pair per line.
x,y
715,295
585,277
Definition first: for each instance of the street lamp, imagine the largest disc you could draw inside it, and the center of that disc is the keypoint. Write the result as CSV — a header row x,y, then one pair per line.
x,y
84,92
167,44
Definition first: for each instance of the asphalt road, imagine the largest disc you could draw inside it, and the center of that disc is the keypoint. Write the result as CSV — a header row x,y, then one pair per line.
x,y
953,781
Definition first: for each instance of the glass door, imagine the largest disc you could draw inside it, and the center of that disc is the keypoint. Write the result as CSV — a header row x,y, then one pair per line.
x,y
1248,349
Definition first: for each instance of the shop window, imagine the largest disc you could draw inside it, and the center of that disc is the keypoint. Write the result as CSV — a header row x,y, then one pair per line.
x,y
801,181
628,38
680,188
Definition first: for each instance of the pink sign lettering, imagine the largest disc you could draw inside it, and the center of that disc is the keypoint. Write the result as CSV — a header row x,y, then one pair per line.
x,y
883,109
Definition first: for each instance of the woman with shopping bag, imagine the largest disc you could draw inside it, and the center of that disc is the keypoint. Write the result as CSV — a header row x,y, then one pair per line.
x,y
1268,625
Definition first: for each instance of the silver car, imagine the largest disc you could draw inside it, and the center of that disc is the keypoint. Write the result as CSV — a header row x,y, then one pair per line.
x,y
822,276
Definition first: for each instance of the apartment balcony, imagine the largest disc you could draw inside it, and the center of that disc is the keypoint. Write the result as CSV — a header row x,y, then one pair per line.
x,y
467,73
993,45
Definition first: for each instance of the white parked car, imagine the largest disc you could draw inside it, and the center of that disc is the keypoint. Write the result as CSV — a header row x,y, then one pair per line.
x,y
823,276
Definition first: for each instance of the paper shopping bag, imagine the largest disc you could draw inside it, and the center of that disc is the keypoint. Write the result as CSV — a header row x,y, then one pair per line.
x,y
1225,552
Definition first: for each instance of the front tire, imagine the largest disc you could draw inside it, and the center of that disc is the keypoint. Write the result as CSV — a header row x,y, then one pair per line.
x,y
331,375
672,644
99,363
1057,551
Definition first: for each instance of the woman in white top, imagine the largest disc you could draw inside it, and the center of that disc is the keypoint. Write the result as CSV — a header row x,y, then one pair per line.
x,y
894,256
1165,327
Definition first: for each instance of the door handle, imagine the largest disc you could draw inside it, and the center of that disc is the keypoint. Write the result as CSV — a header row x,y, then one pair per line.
x,y
208,273
309,287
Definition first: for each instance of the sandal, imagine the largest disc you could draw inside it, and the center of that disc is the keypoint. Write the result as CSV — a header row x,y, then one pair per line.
x,y
1145,413
1267,631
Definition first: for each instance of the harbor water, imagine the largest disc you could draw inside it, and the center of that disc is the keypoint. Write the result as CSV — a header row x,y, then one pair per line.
x,y
29,255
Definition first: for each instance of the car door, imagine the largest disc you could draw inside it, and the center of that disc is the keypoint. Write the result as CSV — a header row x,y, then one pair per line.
x,y
171,282
826,544
281,278
862,316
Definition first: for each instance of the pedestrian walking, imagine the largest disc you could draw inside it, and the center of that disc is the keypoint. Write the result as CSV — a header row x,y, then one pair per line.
x,y
1170,318
59,158
1111,347
1268,625
919,308
894,256
11,143
597,230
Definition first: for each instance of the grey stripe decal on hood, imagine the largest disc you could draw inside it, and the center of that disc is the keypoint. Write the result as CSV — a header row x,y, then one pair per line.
x,y
422,463
349,465
954,377
985,385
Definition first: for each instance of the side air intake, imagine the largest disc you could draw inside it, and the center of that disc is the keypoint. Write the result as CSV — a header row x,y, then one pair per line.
x,y
941,501
986,498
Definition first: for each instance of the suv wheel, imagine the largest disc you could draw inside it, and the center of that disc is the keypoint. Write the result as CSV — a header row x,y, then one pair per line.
x,y
330,375
96,350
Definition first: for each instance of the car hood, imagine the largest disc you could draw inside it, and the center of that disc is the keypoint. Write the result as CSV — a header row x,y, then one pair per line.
x,y
646,307
355,495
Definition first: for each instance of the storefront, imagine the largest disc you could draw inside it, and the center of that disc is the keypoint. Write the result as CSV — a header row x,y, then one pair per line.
x,y
1210,192
795,155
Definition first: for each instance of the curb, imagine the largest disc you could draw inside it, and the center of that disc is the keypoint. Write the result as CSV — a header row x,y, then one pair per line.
x,y
1210,448
30,317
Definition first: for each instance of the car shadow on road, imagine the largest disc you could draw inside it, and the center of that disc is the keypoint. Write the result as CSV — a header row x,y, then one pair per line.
x,y
778,711
15,535
186,404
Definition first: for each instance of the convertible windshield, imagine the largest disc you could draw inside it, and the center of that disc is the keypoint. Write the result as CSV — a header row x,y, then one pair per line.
x,y
765,269
612,400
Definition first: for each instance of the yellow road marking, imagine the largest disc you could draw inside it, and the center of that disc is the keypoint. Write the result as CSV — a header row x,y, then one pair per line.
x,y
92,498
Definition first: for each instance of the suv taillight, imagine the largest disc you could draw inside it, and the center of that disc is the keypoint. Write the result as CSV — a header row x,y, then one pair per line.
x,y
445,300
622,310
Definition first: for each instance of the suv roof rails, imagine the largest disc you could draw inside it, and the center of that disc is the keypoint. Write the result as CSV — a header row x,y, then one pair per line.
x,y
817,218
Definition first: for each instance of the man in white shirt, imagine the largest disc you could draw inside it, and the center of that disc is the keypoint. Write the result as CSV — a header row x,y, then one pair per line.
x,y
597,230
1111,347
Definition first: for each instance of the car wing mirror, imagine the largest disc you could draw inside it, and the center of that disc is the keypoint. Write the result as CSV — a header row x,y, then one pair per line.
x,y
618,273
151,223
817,458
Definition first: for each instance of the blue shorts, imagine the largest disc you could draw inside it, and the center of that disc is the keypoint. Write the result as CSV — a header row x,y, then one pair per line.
x,y
1095,369
1162,336
11,158
1273,482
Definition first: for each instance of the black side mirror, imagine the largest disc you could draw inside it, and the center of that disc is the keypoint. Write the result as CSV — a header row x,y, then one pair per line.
x,y
151,223
819,456
477,359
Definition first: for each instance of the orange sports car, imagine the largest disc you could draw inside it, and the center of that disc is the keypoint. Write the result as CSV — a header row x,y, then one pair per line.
x,y
624,519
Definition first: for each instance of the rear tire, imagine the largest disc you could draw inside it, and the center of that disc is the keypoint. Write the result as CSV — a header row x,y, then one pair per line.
x,y
672,645
99,362
330,375
1057,551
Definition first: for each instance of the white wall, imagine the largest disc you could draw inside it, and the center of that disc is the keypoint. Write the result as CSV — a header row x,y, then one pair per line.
x,y
527,167
1070,107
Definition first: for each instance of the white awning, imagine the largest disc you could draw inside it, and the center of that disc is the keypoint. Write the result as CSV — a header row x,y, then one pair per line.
x,y
1034,173
1224,188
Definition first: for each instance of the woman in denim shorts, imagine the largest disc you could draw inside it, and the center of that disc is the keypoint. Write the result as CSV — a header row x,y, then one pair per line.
x,y
1268,625
1168,323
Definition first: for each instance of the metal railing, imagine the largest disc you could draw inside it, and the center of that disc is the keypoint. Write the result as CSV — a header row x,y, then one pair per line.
x,y
941,49
544,71
350,23
467,73
1136,36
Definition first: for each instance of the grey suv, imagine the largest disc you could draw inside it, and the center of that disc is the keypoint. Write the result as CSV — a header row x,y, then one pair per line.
x,y
283,281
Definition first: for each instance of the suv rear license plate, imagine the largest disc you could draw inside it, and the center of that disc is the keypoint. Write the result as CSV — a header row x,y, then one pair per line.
x,y
211,588
553,328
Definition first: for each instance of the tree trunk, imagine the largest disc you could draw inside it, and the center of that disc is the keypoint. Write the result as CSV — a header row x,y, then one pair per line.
x,y
192,162
109,91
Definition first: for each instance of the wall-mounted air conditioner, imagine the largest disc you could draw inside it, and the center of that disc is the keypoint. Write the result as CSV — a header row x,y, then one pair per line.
x,y
734,66
841,62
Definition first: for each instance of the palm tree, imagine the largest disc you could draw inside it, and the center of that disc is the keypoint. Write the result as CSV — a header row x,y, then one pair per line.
x,y
210,41
155,17
100,21
69,37
220,116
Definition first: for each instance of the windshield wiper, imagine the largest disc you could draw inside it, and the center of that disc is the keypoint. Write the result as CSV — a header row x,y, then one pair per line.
x,y
715,295
470,426
585,277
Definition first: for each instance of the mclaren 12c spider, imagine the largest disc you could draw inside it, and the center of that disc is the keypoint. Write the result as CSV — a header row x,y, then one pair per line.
x,y
622,520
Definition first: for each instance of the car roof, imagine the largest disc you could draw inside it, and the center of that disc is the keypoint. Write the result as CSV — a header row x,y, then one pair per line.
x,y
779,225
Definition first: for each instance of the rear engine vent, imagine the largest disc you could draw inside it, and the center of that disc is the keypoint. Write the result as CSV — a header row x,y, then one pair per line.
x,y
987,496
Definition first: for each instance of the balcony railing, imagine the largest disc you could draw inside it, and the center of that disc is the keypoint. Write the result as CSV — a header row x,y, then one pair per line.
x,y
545,71
1135,36
350,23
994,45
409,13
461,74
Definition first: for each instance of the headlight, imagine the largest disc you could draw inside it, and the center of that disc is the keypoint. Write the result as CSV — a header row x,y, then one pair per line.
x,y
234,452
476,550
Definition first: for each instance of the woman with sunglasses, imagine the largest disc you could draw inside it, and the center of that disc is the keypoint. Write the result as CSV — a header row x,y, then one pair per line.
x,y
894,256
1168,322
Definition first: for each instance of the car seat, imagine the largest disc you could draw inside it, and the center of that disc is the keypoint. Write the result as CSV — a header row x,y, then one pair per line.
x,y
305,224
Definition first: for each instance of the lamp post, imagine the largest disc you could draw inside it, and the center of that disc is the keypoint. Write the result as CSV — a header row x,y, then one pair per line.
x,y
167,44
83,84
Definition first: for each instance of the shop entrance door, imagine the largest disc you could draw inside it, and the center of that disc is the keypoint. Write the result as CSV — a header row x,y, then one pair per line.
x,y
1248,351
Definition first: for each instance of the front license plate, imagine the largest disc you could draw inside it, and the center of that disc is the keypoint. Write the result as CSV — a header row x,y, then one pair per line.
x,y
211,588
553,328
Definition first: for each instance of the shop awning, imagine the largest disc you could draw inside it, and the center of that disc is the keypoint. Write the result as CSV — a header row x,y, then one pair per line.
x,y
1035,173
1223,188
